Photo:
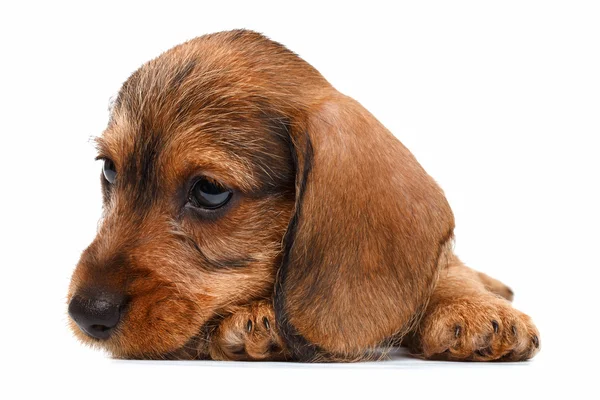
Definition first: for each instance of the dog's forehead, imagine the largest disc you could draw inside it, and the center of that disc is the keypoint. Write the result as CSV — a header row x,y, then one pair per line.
x,y
176,114
143,152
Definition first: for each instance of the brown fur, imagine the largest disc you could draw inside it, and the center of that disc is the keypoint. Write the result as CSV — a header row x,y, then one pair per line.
x,y
335,235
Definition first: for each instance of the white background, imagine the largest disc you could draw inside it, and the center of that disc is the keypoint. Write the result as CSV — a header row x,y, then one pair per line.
x,y
499,101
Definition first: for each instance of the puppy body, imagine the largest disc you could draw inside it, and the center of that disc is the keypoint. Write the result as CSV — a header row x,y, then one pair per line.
x,y
333,241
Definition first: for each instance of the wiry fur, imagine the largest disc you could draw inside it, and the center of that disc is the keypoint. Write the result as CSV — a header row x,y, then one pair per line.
x,y
335,242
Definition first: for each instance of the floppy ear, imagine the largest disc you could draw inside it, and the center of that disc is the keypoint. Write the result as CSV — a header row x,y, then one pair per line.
x,y
368,235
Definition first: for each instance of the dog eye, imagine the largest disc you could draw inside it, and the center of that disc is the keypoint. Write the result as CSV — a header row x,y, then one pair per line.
x,y
209,194
109,171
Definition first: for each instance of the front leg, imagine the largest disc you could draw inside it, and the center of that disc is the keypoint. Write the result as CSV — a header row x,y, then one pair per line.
x,y
249,333
470,319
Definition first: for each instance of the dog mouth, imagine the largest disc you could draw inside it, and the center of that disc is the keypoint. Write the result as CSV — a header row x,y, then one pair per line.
x,y
197,347
194,349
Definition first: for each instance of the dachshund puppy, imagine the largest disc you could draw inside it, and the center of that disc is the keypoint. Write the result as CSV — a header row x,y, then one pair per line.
x,y
253,212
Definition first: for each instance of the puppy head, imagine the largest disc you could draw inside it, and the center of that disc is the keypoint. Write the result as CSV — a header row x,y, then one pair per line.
x,y
229,159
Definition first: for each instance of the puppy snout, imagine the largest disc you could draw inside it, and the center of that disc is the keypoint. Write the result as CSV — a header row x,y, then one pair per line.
x,y
96,315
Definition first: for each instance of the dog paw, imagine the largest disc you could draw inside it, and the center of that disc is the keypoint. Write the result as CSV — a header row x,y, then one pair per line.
x,y
483,329
248,334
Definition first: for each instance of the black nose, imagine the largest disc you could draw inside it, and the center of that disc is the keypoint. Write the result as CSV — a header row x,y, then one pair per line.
x,y
97,315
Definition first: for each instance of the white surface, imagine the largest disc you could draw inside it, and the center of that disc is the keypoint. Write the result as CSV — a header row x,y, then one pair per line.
x,y
500,102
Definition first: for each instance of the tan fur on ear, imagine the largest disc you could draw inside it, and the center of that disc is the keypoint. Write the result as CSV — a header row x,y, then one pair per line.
x,y
370,232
